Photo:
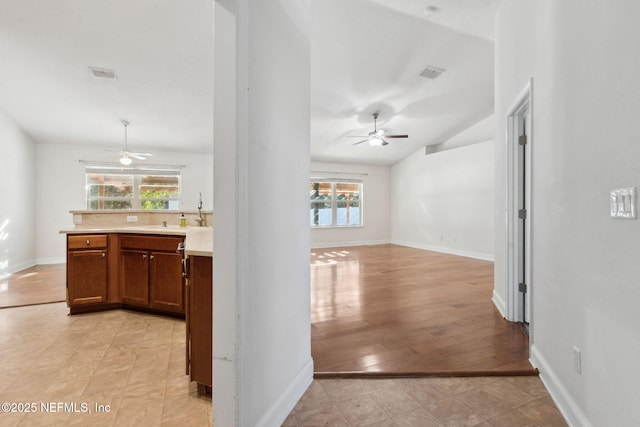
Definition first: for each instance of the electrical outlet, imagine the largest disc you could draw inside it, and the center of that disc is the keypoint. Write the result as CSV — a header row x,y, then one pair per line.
x,y
132,218
577,359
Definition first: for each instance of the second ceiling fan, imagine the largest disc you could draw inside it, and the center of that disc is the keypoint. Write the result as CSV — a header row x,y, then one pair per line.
x,y
376,138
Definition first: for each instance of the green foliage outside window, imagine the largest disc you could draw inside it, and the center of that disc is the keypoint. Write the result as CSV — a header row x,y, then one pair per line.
x,y
154,195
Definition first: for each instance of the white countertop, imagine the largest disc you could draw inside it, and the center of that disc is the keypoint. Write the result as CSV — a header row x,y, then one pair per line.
x,y
198,240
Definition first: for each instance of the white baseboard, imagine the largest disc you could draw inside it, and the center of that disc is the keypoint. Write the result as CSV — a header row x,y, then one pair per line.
x,y
499,303
51,260
568,407
19,267
345,244
468,254
281,409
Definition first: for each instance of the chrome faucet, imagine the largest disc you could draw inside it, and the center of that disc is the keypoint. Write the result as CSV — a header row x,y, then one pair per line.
x,y
200,219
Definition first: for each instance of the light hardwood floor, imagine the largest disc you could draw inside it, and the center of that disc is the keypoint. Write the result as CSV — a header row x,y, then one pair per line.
x,y
399,311
40,284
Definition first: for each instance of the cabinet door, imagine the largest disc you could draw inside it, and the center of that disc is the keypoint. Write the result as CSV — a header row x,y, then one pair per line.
x,y
166,283
134,277
86,277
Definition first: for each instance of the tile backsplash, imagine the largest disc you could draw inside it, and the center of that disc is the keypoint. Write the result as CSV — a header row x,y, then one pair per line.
x,y
125,218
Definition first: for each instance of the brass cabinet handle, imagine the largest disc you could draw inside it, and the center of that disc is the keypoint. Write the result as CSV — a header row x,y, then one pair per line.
x,y
88,242
152,257
103,255
144,256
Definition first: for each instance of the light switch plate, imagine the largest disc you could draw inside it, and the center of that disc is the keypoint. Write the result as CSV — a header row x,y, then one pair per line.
x,y
623,203
132,218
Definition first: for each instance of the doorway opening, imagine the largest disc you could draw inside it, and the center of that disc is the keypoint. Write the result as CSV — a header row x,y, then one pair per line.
x,y
519,208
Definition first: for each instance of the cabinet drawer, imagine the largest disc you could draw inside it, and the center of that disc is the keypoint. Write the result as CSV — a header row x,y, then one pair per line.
x,y
150,243
87,241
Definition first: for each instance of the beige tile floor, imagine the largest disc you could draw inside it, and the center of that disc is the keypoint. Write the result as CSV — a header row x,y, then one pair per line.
x,y
426,402
131,361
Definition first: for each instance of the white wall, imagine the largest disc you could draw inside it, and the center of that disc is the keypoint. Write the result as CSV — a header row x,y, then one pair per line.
x,y
375,204
225,245
262,344
583,57
17,198
444,201
60,187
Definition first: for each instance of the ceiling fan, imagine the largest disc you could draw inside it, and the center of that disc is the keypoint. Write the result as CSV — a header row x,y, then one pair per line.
x,y
376,138
125,154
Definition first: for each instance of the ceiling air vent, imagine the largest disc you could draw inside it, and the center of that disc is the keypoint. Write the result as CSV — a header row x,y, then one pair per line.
x,y
431,72
102,73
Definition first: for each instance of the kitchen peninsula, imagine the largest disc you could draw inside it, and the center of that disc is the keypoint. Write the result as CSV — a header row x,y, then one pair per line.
x,y
162,269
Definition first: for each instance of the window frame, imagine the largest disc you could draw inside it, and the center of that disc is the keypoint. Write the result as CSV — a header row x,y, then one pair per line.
x,y
135,174
334,202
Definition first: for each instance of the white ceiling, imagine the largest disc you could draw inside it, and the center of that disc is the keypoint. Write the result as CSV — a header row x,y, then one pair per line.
x,y
473,17
365,57
161,50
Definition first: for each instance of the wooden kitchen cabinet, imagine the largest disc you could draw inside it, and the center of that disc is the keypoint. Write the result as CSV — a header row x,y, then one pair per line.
x,y
113,270
199,321
151,273
87,269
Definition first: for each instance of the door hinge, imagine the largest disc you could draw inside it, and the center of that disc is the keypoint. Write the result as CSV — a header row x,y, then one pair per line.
x,y
522,139
522,214
522,287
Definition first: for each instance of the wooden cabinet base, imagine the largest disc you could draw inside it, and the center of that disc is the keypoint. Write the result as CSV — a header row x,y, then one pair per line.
x,y
204,390
90,308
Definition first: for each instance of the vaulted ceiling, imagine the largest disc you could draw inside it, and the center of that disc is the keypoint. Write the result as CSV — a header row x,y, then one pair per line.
x,y
366,57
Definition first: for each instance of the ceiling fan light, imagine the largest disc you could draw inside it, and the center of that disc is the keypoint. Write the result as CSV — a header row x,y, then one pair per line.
x,y
125,160
376,142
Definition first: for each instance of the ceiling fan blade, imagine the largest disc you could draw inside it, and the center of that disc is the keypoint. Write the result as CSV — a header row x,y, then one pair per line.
x,y
141,154
357,136
376,138
137,156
